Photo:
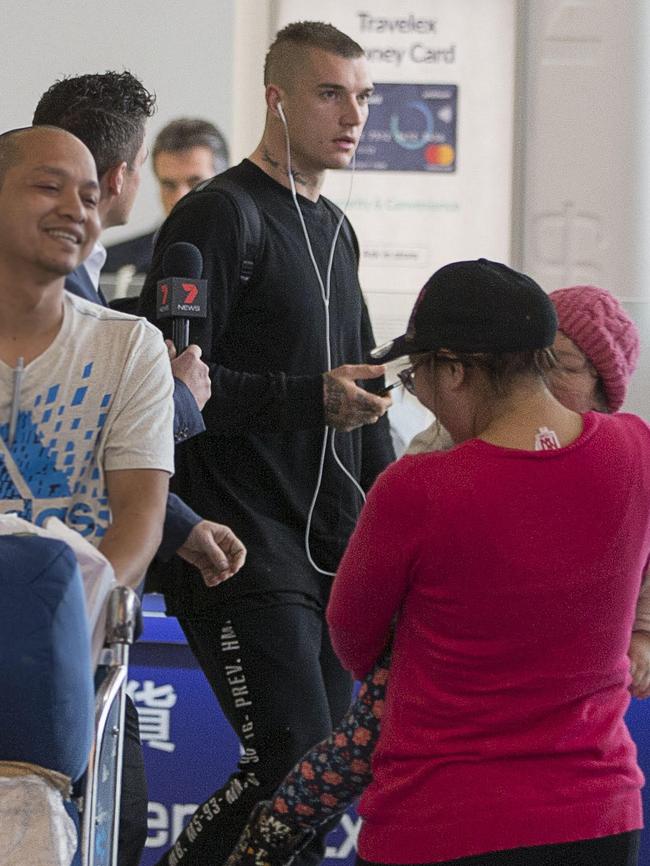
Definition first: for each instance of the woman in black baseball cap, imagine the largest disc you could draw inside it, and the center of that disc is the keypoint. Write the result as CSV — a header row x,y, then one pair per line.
x,y
511,565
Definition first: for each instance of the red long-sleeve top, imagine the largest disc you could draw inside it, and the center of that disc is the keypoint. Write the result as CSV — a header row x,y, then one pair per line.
x,y
514,577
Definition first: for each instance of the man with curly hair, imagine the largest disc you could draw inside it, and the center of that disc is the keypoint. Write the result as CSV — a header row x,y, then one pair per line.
x,y
108,112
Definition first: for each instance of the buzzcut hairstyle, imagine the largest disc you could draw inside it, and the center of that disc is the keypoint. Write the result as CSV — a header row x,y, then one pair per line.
x,y
107,111
186,132
302,35
9,150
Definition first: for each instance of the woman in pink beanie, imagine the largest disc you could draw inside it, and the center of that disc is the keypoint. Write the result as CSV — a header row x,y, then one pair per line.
x,y
597,348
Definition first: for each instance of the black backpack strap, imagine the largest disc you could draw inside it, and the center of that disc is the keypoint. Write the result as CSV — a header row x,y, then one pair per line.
x,y
250,218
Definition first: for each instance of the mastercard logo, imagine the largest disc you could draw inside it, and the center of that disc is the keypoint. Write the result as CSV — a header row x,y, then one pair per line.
x,y
439,154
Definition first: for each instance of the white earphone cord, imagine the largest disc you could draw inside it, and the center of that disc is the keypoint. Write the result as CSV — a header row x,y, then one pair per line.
x,y
325,294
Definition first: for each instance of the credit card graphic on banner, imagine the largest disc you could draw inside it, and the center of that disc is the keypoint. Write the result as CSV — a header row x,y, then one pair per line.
x,y
411,127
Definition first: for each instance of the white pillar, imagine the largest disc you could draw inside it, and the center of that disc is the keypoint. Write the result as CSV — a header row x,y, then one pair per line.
x,y
583,200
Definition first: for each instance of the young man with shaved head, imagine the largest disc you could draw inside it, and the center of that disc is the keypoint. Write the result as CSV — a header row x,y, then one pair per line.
x,y
291,426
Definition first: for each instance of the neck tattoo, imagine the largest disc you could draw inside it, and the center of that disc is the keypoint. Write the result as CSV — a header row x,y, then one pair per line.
x,y
276,165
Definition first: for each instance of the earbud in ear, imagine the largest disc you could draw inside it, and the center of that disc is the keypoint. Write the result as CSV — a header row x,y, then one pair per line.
x,y
281,113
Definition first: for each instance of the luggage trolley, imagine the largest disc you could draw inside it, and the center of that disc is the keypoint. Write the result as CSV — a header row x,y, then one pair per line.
x,y
47,704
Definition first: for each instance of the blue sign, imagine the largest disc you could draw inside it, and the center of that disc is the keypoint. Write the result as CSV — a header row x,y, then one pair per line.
x,y
411,127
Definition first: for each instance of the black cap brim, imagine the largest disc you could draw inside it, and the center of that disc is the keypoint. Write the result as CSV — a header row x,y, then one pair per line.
x,y
390,351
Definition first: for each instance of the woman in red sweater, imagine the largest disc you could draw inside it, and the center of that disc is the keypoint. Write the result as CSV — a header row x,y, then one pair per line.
x,y
512,565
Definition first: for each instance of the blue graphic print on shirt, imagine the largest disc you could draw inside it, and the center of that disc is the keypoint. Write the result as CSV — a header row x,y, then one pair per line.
x,y
50,468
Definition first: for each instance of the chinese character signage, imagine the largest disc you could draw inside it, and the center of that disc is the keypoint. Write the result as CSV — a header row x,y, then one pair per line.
x,y
154,703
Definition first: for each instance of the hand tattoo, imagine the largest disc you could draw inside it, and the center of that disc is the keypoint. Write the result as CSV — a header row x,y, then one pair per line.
x,y
334,399
343,412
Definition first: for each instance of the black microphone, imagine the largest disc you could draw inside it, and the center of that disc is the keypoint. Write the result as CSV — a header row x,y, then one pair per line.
x,y
182,295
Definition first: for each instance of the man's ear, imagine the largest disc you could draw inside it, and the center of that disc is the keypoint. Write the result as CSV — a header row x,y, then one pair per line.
x,y
273,96
113,180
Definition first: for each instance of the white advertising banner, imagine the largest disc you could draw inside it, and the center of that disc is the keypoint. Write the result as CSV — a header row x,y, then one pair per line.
x,y
433,171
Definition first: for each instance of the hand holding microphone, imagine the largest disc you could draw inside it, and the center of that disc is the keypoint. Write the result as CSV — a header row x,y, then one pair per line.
x,y
192,371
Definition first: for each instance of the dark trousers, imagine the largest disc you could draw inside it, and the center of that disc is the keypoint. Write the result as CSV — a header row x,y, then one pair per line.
x,y
281,687
619,850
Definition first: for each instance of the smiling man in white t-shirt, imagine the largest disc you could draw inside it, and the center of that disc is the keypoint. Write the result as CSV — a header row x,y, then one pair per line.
x,y
85,393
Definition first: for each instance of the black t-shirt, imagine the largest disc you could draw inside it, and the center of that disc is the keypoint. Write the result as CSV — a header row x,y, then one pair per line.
x,y
256,466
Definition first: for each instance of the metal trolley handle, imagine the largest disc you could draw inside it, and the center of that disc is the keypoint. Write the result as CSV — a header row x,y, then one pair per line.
x,y
101,801
121,616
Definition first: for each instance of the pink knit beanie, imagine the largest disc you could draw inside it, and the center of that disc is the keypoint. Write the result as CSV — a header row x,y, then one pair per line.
x,y
603,331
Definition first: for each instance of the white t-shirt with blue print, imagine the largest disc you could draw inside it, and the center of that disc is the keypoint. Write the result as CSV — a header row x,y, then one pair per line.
x,y
99,398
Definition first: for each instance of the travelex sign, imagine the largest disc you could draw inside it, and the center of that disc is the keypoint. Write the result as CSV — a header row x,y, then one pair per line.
x,y
418,52
167,820
406,24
